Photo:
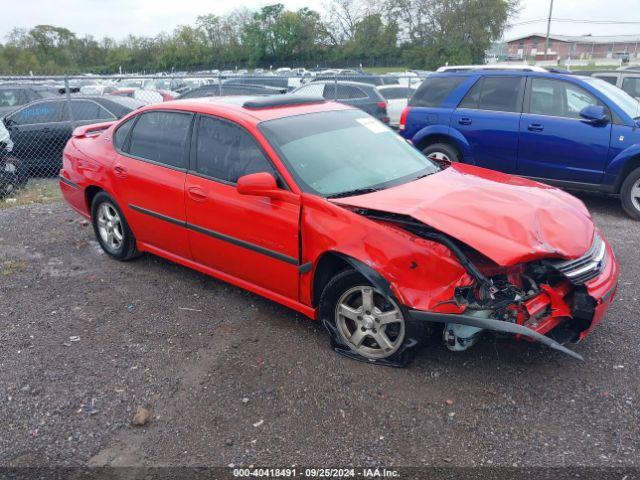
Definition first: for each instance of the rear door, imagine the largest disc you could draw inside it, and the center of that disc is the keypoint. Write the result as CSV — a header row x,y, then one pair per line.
x,y
555,143
489,117
251,238
149,174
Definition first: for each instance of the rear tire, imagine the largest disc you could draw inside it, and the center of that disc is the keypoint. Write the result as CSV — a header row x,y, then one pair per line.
x,y
630,194
111,228
442,151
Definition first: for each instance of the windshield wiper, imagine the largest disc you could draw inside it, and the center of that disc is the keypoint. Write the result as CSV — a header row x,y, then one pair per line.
x,y
357,191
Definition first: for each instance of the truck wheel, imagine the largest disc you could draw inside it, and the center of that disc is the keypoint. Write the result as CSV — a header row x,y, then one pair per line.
x,y
630,194
442,152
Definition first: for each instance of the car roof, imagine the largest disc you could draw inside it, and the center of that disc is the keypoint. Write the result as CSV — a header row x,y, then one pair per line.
x,y
499,72
233,107
13,86
394,85
351,83
461,68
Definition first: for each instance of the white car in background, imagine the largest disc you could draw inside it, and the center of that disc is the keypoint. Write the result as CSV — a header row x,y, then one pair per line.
x,y
98,89
397,97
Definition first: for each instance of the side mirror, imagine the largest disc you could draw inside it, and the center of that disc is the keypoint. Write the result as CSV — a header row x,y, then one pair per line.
x,y
264,184
594,115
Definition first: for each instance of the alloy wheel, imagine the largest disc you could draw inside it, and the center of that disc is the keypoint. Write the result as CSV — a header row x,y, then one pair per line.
x,y
110,227
635,195
370,324
438,156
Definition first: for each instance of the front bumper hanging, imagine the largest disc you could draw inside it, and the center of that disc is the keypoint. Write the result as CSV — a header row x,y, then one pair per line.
x,y
490,324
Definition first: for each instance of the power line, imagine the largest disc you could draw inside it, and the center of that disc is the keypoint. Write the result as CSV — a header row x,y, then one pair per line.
x,y
577,20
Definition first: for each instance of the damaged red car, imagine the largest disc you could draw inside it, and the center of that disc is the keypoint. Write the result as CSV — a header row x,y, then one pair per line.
x,y
322,208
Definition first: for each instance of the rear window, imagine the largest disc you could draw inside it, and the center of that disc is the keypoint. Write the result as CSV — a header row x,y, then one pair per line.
x,y
161,137
499,94
434,91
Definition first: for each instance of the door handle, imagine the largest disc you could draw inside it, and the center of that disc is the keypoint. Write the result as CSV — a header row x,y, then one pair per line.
x,y
120,171
197,194
536,127
464,121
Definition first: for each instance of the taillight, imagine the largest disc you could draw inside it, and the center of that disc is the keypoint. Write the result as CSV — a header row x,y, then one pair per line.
x,y
403,118
382,105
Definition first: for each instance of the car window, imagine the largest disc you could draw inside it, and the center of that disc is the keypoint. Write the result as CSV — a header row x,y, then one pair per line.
x,y
226,151
434,91
500,94
559,99
11,97
338,151
631,85
83,110
41,112
395,93
343,92
313,89
161,137
609,79
122,131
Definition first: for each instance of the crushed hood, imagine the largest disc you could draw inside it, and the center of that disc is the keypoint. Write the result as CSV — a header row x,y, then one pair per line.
x,y
508,219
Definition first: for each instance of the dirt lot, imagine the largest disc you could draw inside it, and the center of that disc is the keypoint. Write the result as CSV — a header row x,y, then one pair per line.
x,y
230,378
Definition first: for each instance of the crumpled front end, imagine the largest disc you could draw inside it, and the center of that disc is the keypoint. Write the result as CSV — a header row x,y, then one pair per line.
x,y
550,300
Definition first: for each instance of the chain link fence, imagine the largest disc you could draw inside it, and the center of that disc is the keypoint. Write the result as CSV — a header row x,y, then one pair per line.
x,y
39,114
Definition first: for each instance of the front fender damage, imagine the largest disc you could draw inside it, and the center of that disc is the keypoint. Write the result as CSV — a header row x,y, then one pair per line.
x,y
414,331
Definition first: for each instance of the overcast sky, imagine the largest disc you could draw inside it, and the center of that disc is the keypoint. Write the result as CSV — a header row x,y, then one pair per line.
x,y
118,18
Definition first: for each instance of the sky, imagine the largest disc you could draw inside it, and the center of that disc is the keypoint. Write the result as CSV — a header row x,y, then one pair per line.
x,y
119,18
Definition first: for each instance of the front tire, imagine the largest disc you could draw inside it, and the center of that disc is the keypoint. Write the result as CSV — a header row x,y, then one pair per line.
x,y
364,323
630,194
111,228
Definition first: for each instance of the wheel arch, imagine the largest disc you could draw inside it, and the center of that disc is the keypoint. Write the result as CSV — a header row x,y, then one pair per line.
x,y
331,263
625,163
439,134
89,194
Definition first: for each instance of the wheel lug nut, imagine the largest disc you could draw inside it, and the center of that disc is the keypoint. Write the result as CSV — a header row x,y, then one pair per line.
x,y
363,329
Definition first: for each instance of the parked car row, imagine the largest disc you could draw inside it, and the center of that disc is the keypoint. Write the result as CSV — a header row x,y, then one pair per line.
x,y
39,129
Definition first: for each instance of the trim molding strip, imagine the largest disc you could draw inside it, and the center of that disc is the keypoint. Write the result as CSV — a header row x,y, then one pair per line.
x,y
219,236
68,182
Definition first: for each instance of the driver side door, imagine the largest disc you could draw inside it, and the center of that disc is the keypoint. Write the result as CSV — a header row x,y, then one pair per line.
x,y
555,142
253,239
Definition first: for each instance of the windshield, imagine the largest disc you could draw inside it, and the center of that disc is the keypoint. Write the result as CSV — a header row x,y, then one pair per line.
x,y
622,99
347,151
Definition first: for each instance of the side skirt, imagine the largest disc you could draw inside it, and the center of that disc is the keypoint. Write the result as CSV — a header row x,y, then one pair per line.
x,y
263,292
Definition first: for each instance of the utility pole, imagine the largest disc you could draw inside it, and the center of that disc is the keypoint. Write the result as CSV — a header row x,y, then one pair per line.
x,y
546,43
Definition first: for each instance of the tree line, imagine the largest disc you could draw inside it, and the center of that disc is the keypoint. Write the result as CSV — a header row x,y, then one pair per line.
x,y
409,33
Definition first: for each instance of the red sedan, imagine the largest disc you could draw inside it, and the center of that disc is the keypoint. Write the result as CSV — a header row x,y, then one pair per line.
x,y
321,208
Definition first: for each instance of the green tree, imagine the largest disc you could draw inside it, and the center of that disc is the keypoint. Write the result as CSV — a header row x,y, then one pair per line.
x,y
441,31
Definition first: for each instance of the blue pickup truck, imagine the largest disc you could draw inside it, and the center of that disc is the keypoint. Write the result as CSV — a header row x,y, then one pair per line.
x,y
579,133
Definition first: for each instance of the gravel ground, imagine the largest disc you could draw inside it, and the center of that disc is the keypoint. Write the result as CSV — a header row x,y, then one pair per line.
x,y
231,378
